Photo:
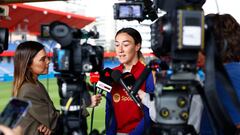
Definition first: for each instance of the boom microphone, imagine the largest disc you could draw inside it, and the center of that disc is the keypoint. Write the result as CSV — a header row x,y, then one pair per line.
x,y
105,81
117,77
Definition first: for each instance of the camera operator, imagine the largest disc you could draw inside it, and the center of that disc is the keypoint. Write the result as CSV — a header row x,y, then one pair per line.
x,y
123,116
227,35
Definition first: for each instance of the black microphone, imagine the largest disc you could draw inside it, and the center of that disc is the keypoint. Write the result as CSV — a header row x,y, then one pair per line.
x,y
140,80
117,77
105,81
128,79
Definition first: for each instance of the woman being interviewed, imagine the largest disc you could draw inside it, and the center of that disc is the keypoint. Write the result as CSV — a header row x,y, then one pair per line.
x,y
123,116
30,61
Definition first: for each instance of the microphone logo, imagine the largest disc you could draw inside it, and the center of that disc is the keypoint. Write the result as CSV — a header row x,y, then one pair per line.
x,y
105,80
104,86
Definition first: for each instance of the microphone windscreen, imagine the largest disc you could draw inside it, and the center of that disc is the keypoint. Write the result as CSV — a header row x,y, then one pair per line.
x,y
128,79
105,81
106,72
105,76
116,75
94,77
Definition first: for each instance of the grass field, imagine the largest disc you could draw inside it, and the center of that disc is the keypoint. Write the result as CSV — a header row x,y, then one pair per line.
x,y
51,85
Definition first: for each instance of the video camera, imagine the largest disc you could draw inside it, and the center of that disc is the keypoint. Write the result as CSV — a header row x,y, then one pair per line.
x,y
72,60
179,33
73,57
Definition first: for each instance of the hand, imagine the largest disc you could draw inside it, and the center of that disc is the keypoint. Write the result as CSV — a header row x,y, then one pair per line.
x,y
141,94
8,131
95,100
44,129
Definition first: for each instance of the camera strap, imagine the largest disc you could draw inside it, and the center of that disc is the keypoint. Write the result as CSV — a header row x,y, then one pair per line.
x,y
220,117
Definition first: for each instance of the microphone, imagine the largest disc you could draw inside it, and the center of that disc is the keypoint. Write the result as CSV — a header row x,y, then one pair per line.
x,y
128,79
105,81
94,77
140,80
117,77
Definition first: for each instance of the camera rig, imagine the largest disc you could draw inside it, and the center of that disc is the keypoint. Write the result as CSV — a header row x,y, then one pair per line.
x,y
72,61
181,33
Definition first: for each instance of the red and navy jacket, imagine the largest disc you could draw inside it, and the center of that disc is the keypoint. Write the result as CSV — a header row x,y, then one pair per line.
x,y
122,113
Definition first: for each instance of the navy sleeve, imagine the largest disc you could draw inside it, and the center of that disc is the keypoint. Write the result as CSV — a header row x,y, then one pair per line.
x,y
110,122
150,83
145,123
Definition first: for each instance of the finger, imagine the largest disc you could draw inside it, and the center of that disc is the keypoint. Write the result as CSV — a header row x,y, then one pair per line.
x,y
40,127
100,98
44,129
48,132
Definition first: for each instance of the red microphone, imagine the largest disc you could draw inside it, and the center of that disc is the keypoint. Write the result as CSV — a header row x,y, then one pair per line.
x,y
105,80
94,77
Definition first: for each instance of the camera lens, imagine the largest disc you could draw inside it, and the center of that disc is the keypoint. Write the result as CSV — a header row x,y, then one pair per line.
x,y
60,31
87,67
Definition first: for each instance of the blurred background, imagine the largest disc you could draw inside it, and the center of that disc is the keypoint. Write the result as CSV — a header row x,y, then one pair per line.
x,y
24,20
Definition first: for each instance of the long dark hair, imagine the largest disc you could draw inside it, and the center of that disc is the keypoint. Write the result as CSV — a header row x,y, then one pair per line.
x,y
23,59
227,34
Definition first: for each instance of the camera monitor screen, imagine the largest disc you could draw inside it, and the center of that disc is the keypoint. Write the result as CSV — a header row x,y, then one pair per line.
x,y
45,31
61,59
130,11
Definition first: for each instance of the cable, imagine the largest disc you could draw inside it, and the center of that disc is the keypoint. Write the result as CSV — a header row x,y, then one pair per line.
x,y
69,102
217,6
92,114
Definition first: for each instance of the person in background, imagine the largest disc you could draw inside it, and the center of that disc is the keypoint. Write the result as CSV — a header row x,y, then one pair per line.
x,y
123,116
226,31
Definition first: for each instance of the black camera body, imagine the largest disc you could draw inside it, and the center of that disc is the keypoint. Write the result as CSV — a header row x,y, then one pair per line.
x,y
180,34
78,59
73,57
72,60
